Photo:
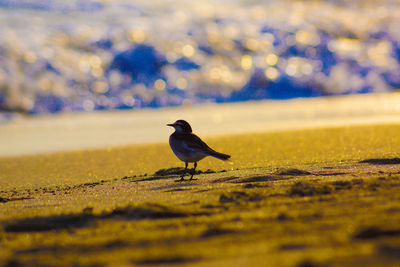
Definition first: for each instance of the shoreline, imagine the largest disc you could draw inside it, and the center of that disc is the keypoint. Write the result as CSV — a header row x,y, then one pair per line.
x,y
70,132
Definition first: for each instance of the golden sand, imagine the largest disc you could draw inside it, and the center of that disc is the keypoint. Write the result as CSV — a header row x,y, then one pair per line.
x,y
319,196
277,149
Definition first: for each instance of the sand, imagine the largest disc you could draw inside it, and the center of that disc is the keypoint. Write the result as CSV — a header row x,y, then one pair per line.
x,y
79,131
311,197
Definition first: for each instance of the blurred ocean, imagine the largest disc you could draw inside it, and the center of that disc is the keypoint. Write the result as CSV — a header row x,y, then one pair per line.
x,y
81,55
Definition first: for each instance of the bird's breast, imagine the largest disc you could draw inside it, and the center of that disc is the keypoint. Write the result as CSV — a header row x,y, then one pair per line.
x,y
183,152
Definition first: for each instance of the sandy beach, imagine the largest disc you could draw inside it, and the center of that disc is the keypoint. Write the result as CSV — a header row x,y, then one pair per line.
x,y
303,95
317,196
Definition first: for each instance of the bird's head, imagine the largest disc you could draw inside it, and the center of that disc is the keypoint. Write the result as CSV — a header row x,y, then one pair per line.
x,y
181,126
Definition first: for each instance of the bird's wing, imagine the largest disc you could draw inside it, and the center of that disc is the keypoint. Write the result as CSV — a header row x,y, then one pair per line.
x,y
193,142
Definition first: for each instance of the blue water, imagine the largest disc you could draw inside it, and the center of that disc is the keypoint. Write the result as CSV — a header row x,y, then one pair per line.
x,y
62,56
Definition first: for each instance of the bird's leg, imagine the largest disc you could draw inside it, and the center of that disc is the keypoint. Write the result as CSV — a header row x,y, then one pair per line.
x,y
184,173
194,170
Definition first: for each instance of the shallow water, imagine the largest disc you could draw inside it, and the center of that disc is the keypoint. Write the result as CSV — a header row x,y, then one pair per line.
x,y
100,55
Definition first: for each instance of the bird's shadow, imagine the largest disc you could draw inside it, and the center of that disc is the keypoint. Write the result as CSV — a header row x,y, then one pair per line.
x,y
169,173
185,180
382,161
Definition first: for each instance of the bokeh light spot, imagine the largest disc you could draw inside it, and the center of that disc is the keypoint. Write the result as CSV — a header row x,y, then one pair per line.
x,y
252,44
306,69
345,45
291,69
129,100
188,50
271,59
271,73
181,83
97,72
30,57
95,61
136,36
307,37
160,84
100,87
246,62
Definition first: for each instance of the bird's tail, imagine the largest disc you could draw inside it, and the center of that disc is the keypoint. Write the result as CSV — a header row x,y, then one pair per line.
x,y
218,155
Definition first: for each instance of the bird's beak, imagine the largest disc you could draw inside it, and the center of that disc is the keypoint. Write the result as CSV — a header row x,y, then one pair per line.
x,y
171,124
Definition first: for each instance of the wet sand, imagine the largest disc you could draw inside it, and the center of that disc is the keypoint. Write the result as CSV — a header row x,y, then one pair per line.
x,y
78,131
311,197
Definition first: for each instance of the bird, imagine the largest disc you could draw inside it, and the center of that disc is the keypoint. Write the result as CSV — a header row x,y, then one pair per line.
x,y
189,148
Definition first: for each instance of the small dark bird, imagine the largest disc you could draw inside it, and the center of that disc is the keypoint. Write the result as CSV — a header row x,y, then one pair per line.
x,y
188,147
